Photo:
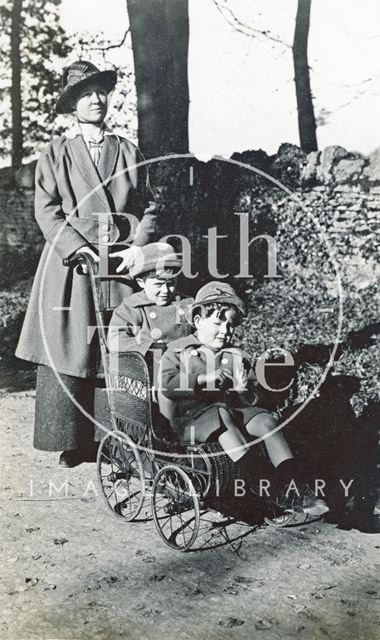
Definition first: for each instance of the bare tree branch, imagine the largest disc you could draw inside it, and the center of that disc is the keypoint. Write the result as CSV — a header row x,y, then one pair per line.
x,y
346,85
246,30
111,46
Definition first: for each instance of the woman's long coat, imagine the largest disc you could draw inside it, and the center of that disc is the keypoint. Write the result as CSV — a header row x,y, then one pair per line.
x,y
73,203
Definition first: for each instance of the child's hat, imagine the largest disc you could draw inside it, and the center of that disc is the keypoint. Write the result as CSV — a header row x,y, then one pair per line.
x,y
76,77
218,292
157,256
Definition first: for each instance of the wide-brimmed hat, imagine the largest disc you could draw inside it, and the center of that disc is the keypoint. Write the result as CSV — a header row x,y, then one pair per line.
x,y
158,257
74,79
220,292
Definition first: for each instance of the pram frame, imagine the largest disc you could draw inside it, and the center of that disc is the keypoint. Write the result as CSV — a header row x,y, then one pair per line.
x,y
141,452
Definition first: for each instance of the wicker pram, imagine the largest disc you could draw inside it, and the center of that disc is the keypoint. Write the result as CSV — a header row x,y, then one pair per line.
x,y
142,468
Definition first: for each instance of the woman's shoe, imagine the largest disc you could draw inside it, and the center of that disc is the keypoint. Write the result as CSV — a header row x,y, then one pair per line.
x,y
70,458
90,453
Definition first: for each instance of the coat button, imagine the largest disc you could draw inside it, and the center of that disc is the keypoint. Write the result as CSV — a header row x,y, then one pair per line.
x,y
224,361
105,227
156,333
105,238
194,352
152,315
181,312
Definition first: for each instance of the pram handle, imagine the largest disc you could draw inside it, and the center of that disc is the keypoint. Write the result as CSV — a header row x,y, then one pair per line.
x,y
84,263
79,259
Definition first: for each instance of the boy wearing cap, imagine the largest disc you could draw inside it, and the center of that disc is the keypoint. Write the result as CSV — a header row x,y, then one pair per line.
x,y
211,385
155,315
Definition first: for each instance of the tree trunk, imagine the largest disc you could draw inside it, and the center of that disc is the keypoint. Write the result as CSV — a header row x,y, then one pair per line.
x,y
306,118
17,137
160,42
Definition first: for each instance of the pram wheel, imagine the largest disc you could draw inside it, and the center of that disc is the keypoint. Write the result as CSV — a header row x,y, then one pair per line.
x,y
121,475
175,507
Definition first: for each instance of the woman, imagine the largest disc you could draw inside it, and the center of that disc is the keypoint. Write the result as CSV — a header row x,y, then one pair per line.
x,y
83,180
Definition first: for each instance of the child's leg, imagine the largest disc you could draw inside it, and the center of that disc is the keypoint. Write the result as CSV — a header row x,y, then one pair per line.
x,y
277,447
232,440
286,468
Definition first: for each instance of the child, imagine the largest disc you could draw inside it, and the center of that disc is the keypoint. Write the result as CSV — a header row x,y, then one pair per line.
x,y
211,386
153,316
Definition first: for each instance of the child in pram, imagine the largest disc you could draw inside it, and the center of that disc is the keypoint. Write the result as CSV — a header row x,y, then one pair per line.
x,y
211,385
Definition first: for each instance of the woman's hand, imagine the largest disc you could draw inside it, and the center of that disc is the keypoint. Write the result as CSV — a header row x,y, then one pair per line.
x,y
128,257
132,254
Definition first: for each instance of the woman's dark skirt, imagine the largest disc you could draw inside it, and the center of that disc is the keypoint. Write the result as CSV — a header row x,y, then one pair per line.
x,y
59,423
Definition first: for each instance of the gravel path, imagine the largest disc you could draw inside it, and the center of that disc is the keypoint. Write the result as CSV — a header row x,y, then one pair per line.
x,y
72,571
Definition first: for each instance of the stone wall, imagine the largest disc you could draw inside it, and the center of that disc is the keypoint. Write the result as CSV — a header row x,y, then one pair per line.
x,y
345,185
21,240
18,227
348,185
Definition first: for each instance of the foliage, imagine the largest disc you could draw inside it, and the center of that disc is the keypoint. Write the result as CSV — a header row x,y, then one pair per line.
x,y
299,310
13,303
45,50
17,265
43,45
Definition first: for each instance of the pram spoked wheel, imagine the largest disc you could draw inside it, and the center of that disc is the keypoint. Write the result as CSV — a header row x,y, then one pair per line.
x,y
121,475
175,507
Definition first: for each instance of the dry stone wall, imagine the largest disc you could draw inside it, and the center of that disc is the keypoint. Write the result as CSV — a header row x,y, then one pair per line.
x,y
21,240
349,185
344,185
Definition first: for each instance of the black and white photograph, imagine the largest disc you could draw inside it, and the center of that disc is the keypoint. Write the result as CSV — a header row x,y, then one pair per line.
x,y
190,334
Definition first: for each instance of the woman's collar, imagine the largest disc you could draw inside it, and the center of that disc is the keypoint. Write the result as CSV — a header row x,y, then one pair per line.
x,y
75,130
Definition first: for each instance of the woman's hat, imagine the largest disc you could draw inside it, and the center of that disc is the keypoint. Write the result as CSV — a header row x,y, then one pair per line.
x,y
220,292
74,79
158,257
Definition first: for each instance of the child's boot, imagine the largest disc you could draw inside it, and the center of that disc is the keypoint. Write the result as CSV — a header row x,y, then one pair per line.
x,y
295,495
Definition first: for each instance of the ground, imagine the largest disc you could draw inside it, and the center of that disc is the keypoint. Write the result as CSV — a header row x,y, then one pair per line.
x,y
73,571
